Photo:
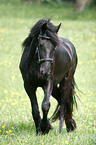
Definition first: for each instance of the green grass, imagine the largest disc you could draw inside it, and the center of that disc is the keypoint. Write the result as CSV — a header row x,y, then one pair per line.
x,y
16,124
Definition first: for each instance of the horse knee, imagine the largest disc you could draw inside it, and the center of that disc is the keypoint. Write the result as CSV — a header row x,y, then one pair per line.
x,y
45,106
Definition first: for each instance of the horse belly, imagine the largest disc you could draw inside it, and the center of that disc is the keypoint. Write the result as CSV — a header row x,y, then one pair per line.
x,y
59,74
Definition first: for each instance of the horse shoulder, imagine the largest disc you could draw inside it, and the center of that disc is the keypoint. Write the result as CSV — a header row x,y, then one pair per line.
x,y
69,45
62,55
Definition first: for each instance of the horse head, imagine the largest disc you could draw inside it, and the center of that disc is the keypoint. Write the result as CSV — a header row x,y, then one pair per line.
x,y
47,41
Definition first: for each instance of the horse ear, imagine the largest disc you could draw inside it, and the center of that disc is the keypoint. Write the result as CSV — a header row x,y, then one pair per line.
x,y
44,27
58,27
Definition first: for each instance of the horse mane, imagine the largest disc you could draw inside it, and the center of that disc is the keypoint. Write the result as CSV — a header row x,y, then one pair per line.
x,y
50,29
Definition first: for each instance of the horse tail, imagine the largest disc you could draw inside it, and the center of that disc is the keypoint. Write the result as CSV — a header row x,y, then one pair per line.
x,y
72,100
56,114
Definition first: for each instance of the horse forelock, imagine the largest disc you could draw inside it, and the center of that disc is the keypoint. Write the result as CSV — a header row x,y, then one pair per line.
x,y
37,28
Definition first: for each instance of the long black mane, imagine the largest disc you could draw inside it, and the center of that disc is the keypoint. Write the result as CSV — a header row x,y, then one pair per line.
x,y
39,27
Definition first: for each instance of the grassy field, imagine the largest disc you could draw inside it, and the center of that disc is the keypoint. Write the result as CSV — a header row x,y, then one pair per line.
x,y
16,124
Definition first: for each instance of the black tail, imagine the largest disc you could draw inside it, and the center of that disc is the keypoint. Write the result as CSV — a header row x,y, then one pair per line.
x,y
56,114
72,99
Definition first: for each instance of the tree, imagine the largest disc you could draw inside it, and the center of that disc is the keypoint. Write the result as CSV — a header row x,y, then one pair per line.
x,y
36,1
80,5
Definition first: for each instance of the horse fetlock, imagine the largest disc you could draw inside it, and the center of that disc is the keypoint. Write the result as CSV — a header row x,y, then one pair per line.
x,y
61,123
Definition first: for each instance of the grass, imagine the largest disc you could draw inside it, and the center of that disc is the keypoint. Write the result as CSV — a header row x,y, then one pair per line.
x,y
16,124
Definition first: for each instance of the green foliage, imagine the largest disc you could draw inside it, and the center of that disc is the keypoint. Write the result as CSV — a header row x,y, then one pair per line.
x,y
16,125
93,2
59,1
53,11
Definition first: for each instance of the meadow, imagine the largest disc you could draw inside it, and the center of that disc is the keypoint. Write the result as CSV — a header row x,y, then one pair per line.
x,y
16,123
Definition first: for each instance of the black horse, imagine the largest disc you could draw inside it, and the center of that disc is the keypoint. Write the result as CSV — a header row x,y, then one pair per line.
x,y
49,61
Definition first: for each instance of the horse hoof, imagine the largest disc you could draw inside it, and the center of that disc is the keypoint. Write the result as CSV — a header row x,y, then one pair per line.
x,y
45,126
71,125
38,131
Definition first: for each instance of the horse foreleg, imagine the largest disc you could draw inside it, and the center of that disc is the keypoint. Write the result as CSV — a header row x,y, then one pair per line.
x,y
45,124
31,91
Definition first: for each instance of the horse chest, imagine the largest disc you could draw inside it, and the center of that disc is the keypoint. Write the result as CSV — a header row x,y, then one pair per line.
x,y
34,76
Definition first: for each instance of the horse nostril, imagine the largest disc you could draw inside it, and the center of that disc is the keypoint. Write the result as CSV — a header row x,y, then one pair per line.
x,y
42,72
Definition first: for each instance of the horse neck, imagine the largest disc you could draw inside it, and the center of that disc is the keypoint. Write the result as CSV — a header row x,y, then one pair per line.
x,y
32,48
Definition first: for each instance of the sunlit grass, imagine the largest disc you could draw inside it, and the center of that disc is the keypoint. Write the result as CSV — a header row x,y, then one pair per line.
x,y
16,123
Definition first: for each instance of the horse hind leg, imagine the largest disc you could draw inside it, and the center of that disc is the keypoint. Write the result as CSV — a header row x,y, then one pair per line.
x,y
67,103
57,95
70,122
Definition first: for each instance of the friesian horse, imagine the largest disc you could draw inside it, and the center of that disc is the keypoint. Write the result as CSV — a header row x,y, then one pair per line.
x,y
49,61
